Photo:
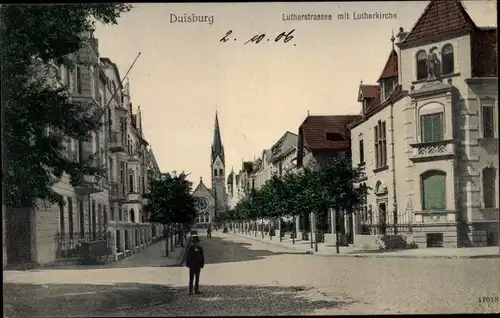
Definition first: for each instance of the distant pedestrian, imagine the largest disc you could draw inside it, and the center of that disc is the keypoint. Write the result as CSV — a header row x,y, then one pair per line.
x,y
209,233
195,261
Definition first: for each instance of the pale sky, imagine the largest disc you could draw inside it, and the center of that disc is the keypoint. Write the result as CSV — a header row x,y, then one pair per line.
x,y
260,90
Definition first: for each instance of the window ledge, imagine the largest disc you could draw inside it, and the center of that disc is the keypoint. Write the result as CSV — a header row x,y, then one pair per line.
x,y
379,169
423,80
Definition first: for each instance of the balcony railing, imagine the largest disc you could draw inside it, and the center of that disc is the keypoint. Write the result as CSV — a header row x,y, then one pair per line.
x,y
116,144
433,150
89,185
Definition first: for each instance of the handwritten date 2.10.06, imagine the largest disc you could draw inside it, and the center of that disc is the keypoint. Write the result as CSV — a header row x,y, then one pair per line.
x,y
284,37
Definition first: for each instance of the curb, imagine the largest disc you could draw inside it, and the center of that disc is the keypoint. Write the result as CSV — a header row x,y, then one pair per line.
x,y
373,255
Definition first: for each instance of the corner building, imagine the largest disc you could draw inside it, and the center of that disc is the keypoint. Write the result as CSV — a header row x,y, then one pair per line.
x,y
428,136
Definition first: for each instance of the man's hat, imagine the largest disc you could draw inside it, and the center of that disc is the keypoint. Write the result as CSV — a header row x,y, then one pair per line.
x,y
195,238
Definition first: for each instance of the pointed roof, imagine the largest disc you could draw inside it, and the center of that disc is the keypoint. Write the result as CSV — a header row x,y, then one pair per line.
x,y
391,66
440,17
217,147
201,187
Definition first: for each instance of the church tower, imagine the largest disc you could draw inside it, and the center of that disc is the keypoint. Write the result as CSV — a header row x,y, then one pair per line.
x,y
218,167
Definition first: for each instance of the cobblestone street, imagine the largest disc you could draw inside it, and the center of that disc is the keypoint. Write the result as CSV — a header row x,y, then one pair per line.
x,y
246,277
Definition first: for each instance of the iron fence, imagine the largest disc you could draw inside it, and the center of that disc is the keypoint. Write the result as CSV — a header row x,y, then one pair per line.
x,y
68,243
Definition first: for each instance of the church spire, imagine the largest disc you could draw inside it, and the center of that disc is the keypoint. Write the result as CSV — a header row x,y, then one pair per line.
x,y
217,147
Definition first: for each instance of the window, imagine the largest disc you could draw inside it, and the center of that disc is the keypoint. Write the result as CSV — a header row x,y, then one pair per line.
x,y
61,216
433,190
78,79
215,172
143,185
488,119
112,213
447,59
105,214
489,187
361,152
432,127
131,183
380,145
221,173
334,137
70,217
421,65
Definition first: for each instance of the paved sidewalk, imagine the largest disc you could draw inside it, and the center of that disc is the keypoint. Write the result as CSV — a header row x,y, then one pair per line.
x,y
323,250
153,255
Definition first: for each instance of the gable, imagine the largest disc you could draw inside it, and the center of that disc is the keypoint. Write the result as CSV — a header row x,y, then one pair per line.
x,y
202,191
440,17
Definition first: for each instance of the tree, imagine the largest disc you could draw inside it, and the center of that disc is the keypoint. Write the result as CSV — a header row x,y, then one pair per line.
x,y
341,188
37,116
170,201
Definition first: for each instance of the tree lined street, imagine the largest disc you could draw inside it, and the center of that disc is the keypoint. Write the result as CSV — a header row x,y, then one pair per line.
x,y
246,277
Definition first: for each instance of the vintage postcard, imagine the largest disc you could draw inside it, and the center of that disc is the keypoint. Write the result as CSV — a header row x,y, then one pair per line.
x,y
250,158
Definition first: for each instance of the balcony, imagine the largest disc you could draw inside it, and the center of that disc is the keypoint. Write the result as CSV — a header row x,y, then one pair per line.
x,y
89,185
134,157
134,197
116,142
117,192
436,150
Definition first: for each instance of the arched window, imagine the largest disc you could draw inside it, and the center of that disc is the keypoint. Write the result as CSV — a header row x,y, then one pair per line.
x,y
215,172
421,65
489,187
132,215
448,59
221,173
433,187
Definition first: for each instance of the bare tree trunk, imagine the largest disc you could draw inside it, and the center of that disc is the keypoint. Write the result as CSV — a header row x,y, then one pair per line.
x,y
294,229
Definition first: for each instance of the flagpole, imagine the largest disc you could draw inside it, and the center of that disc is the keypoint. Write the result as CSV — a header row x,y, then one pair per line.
x,y
116,89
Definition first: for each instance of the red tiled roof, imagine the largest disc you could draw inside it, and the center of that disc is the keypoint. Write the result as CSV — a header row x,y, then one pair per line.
x,y
315,128
484,52
391,66
440,16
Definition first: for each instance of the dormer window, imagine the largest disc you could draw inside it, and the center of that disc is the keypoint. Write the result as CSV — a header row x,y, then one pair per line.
x,y
334,137
382,91
421,65
364,106
448,59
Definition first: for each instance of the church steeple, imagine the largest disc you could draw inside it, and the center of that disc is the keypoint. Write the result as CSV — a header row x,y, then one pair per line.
x,y
217,147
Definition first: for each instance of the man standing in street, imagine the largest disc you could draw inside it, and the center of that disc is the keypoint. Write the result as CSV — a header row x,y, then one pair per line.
x,y
195,261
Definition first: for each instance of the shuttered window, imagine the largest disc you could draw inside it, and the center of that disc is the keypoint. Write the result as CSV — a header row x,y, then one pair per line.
x,y
432,128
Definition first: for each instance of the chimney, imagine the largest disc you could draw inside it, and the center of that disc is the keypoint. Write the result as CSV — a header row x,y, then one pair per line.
x,y
401,35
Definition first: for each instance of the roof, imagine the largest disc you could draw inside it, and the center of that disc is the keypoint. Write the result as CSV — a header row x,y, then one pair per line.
x,y
368,91
440,17
316,128
217,147
391,66
283,145
106,60
201,187
395,95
